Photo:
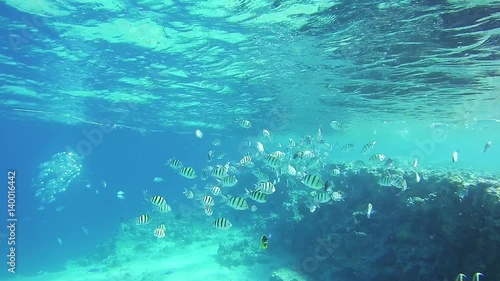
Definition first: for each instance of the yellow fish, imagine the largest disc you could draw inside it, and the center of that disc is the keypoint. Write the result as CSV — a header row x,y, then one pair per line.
x,y
264,241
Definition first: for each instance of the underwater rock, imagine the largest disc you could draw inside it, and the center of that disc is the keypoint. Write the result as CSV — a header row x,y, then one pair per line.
x,y
286,274
238,252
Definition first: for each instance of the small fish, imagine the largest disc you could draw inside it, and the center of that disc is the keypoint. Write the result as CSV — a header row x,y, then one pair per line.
x,y
244,123
454,156
417,177
347,148
85,231
207,200
415,163
59,240
216,142
385,181
298,155
253,208
222,223
487,146
266,134
389,163
378,157
210,155
159,231
175,163
460,277
143,219
266,187
322,197
94,270
237,203
329,185
337,196
215,190
165,208
208,210
313,181
369,210
256,195
158,179
337,126
264,241
189,194
158,200
219,172
60,208
120,195
198,134
228,181
368,147
188,173
272,161
245,160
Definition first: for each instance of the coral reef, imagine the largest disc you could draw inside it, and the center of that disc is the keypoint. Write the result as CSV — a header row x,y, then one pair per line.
x,y
242,251
287,274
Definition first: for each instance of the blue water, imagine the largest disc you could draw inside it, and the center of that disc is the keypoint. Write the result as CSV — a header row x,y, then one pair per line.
x,y
390,72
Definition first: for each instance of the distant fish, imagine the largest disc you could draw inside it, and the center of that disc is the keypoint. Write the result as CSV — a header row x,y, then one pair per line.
x,y
347,148
208,210
164,208
222,223
175,163
210,155
59,240
389,163
369,210
368,147
329,185
189,194
158,179
266,134
60,208
159,231
256,195
487,146
337,126
454,156
417,177
158,200
313,181
85,231
216,142
143,219
253,208
244,123
237,203
264,242
198,134
120,195
378,157
415,163
188,173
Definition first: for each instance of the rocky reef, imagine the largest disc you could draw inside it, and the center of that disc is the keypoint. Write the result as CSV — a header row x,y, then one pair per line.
x,y
445,224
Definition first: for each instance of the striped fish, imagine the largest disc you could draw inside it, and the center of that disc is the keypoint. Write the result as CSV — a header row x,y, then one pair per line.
x,y
158,200
189,194
378,157
347,148
219,172
214,189
237,203
165,208
143,219
229,181
222,223
266,187
175,163
188,173
245,160
399,182
368,147
313,181
244,123
272,161
322,197
385,181
159,231
208,210
256,195
337,126
207,200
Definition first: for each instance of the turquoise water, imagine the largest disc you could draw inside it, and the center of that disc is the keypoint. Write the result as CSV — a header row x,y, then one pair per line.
x,y
96,97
